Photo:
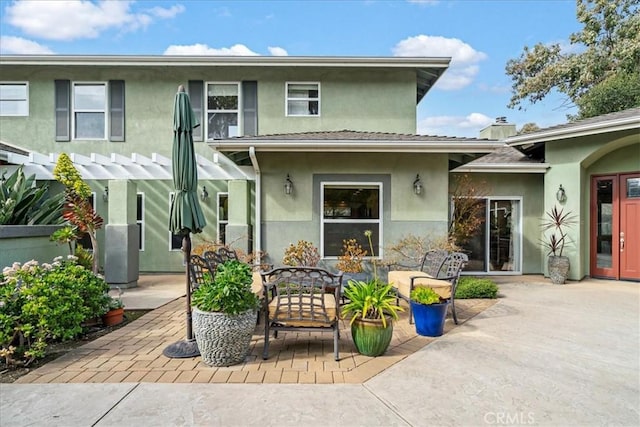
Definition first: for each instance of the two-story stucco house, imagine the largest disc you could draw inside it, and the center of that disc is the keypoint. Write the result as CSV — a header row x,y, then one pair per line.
x,y
291,148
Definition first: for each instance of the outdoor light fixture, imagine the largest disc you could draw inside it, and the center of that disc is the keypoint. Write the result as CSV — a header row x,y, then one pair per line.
x,y
205,194
561,195
105,194
417,185
288,185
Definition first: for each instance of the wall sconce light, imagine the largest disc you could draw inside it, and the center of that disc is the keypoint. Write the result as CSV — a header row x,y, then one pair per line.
x,y
105,194
205,194
561,195
417,185
288,185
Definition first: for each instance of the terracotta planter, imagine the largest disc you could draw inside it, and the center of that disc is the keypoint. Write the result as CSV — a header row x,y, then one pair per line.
x,y
558,269
113,317
370,337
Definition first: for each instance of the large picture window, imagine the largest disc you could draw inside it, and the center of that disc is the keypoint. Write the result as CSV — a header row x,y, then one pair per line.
x,y
14,99
303,99
348,210
223,105
89,110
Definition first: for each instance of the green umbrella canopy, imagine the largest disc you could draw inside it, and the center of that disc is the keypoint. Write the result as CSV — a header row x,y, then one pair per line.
x,y
186,215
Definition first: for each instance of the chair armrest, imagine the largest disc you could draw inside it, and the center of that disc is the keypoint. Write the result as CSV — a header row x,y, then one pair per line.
x,y
403,267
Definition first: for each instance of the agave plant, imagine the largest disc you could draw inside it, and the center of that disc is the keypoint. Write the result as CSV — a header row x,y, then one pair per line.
x,y
24,203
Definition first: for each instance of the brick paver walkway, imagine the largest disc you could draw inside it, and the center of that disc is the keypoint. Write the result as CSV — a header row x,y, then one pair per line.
x,y
133,353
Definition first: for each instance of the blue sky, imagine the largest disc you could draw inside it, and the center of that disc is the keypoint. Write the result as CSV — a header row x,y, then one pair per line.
x,y
480,36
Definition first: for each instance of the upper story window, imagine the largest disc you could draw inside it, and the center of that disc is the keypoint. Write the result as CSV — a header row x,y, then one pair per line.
x,y
303,99
89,110
14,99
223,105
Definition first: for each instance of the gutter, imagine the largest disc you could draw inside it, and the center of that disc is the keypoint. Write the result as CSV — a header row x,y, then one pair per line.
x,y
257,233
365,146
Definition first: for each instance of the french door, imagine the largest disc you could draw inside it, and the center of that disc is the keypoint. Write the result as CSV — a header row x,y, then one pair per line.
x,y
615,226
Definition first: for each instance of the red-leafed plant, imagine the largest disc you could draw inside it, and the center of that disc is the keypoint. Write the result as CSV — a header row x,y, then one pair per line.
x,y
77,208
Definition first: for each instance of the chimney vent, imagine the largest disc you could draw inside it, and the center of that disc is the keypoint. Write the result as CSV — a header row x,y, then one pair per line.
x,y
501,119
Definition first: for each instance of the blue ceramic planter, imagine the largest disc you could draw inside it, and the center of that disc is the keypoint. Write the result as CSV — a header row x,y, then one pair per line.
x,y
429,319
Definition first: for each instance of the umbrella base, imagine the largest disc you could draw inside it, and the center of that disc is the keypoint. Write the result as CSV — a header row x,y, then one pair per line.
x,y
182,349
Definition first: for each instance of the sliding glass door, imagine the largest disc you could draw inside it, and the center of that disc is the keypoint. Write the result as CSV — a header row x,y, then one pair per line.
x,y
496,246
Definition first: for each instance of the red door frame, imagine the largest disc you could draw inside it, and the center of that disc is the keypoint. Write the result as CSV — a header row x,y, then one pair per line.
x,y
614,271
617,189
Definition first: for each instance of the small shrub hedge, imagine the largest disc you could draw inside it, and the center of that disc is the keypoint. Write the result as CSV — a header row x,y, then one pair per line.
x,y
44,303
476,287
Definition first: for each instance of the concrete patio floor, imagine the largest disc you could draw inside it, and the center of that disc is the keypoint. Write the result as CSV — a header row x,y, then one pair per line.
x,y
133,353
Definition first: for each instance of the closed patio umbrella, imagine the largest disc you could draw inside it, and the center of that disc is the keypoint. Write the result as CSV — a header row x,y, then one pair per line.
x,y
186,216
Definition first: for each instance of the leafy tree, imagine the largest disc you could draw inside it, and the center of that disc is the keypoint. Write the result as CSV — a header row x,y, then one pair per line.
x,y
605,57
468,208
528,127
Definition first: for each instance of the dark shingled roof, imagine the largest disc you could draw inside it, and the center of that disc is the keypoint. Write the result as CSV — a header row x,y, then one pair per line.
x,y
503,155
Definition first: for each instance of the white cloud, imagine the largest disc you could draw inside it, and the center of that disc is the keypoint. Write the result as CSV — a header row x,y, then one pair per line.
x,y
277,51
10,45
83,19
203,49
469,126
164,13
464,58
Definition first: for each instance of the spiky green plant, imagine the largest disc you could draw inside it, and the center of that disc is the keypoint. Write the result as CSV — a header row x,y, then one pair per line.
x,y
370,300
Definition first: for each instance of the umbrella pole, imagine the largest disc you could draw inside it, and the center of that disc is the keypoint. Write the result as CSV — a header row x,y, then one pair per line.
x,y
186,248
188,347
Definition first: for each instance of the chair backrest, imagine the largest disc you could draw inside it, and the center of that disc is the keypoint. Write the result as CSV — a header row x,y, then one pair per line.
x,y
433,262
453,266
300,292
225,254
212,258
198,267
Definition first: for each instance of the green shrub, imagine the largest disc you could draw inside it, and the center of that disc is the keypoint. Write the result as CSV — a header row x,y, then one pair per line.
x,y
229,292
426,296
43,303
476,287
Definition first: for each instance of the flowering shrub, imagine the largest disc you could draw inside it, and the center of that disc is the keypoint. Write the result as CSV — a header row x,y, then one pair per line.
x,y
42,303
302,253
350,261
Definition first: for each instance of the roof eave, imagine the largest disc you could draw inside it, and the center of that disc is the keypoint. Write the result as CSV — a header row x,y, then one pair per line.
x,y
337,146
616,125
503,168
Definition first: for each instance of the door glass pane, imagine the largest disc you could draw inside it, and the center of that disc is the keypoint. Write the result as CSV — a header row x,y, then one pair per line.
x,y
633,188
604,212
475,246
504,237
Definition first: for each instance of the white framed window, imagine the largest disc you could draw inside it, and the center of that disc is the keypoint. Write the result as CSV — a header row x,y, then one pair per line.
x,y
223,216
303,99
175,240
348,210
140,219
14,99
89,106
223,107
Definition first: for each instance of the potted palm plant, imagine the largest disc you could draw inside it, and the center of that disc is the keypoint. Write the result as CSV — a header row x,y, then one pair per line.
x,y
429,311
372,309
555,229
224,314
